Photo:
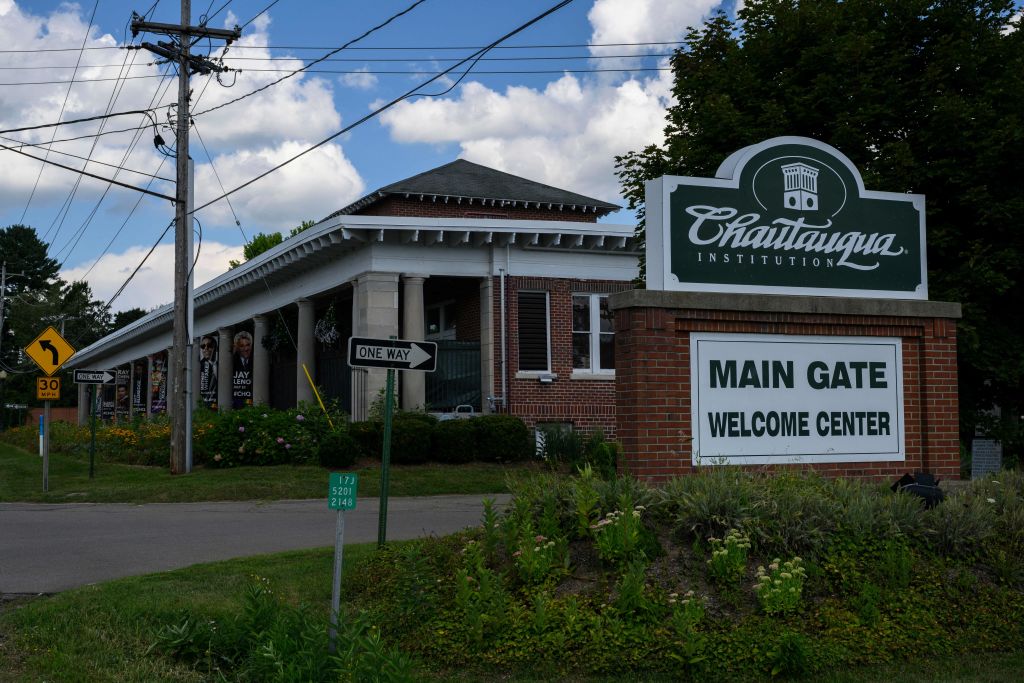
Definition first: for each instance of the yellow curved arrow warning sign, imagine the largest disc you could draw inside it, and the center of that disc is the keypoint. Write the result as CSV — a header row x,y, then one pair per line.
x,y
50,351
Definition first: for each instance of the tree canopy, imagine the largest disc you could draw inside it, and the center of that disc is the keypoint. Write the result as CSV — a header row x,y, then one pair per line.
x,y
36,300
924,96
262,242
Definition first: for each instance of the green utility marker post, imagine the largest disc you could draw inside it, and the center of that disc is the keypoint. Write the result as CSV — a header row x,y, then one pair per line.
x,y
341,496
385,460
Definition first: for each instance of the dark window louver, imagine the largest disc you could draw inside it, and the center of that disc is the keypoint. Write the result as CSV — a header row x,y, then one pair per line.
x,y
533,331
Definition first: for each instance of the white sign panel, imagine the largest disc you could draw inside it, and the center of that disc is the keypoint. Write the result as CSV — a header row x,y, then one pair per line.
x,y
773,399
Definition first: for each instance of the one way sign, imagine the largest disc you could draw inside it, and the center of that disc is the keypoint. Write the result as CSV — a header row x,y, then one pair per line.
x,y
94,377
399,354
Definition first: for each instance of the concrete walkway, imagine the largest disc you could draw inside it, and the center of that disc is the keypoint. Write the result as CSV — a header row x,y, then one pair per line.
x,y
46,548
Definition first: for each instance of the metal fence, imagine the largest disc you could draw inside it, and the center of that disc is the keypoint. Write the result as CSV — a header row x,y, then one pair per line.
x,y
457,378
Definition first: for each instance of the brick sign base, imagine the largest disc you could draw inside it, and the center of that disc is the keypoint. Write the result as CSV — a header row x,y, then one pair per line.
x,y
652,359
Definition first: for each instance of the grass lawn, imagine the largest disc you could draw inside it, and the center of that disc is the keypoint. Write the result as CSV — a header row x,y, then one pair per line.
x,y
22,481
103,632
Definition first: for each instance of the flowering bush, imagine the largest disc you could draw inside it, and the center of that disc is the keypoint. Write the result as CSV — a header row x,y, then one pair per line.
x,y
258,435
617,534
538,558
728,557
780,587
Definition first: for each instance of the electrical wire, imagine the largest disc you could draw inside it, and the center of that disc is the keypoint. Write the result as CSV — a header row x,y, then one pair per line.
x,y
63,106
82,120
396,47
66,207
363,60
380,110
157,95
22,144
121,289
85,173
334,51
260,13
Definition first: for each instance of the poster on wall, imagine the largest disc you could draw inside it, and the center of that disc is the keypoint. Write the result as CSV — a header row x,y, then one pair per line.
x,y
788,215
241,386
121,381
158,383
139,388
107,403
208,357
774,399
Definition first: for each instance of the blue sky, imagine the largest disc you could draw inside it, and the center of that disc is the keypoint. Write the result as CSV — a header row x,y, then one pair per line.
x,y
558,127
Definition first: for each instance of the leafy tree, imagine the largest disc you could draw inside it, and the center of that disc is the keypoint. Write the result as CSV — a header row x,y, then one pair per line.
x,y
38,299
924,96
127,317
263,242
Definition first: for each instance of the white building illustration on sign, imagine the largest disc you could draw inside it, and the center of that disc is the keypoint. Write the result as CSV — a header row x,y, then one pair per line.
x,y
801,189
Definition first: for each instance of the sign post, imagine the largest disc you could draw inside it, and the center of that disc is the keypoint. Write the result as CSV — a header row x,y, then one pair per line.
x,y
341,496
92,378
392,354
49,351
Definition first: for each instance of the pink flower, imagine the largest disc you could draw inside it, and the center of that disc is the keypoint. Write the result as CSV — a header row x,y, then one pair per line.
x,y
287,446
538,538
280,439
299,417
241,428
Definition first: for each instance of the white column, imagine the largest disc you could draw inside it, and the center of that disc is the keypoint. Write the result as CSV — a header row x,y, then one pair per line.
x,y
375,315
225,369
413,327
260,361
305,354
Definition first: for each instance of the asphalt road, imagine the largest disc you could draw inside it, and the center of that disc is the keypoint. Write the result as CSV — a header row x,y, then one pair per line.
x,y
46,548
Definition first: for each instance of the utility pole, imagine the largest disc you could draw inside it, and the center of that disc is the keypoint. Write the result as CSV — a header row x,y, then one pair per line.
x,y
178,52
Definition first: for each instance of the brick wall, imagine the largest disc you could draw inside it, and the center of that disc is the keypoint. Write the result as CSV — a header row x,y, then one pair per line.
x,y
653,386
588,404
429,207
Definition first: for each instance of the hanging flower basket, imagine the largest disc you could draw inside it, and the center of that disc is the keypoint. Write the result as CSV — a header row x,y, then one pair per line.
x,y
326,329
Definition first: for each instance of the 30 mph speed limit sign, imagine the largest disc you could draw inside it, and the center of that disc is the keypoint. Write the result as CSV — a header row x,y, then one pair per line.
x,y
48,388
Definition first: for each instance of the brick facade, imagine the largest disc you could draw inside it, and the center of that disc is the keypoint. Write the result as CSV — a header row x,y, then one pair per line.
x,y
431,207
587,404
653,383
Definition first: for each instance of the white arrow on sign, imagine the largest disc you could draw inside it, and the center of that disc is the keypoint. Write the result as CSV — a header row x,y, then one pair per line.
x,y
93,377
397,354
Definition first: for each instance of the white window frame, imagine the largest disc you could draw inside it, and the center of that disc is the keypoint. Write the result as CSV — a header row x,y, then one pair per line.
x,y
444,333
595,370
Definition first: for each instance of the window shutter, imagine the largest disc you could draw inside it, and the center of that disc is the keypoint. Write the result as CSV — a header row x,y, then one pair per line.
x,y
533,331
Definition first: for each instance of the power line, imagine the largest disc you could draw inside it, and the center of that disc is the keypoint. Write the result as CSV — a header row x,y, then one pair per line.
x,y
259,14
67,96
509,72
70,122
22,144
85,173
379,110
334,51
363,60
399,47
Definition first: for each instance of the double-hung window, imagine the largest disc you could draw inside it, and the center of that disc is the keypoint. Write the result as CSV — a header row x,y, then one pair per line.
x,y
534,332
593,335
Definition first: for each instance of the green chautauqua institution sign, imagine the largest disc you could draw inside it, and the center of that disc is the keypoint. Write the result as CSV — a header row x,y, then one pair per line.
x,y
786,216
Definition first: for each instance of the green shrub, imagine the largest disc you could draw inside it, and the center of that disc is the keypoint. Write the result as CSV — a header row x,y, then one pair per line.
x,y
454,441
501,438
369,436
337,449
411,435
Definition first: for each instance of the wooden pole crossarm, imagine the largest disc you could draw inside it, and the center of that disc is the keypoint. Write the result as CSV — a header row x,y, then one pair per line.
x,y
200,31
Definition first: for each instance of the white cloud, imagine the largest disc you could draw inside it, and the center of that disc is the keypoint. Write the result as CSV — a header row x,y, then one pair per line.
x,y
309,188
642,21
566,135
361,79
152,286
